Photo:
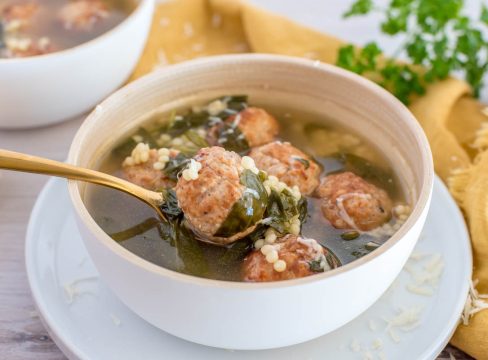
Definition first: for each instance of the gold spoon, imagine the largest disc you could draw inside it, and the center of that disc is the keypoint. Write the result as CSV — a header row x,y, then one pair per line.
x,y
11,160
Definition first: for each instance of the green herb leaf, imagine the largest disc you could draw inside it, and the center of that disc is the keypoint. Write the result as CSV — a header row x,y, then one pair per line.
x,y
484,14
359,7
361,61
424,24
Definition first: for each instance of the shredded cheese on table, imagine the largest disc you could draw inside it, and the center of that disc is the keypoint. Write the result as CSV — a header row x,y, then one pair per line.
x,y
474,303
72,290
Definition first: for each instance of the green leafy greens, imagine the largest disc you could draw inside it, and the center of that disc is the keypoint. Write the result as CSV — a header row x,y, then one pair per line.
x,y
439,40
249,209
282,207
175,166
142,135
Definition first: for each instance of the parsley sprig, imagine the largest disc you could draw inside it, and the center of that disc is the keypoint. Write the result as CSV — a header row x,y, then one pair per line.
x,y
439,40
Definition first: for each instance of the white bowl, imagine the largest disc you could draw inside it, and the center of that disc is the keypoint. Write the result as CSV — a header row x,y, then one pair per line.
x,y
257,315
46,89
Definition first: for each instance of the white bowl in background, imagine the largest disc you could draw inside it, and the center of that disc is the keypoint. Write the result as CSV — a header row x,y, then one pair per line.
x,y
46,89
237,315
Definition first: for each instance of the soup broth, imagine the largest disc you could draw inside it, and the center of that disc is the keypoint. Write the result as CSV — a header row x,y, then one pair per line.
x,y
136,227
33,27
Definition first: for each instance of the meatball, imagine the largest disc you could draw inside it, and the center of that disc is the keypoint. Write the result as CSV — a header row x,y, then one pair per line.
x,y
303,257
288,164
20,13
257,125
207,200
350,202
145,175
82,15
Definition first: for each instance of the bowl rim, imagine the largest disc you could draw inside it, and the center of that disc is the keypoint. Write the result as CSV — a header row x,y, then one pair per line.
x,y
141,5
419,208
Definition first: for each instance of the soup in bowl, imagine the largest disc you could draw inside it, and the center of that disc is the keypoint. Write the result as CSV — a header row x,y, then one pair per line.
x,y
30,27
59,58
295,192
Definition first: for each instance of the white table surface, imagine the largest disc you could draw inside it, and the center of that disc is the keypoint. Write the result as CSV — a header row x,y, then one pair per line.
x,y
22,336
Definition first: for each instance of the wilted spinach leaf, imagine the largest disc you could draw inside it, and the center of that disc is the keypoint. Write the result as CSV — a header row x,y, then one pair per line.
x,y
315,266
236,252
126,147
176,165
170,206
189,249
231,138
138,229
182,124
282,207
235,104
196,139
249,209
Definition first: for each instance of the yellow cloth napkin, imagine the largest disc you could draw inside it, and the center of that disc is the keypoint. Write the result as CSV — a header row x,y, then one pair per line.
x,y
451,118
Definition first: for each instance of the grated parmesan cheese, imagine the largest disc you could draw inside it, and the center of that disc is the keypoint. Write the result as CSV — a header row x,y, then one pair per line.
x,y
191,172
424,278
72,291
394,336
377,344
420,290
474,303
372,325
367,355
115,319
355,345
406,318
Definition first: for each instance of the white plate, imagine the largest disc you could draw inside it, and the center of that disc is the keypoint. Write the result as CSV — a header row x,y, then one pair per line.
x,y
96,325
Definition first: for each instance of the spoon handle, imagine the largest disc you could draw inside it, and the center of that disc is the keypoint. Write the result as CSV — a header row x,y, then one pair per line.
x,y
11,160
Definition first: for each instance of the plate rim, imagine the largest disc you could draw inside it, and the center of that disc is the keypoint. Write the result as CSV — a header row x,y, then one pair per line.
x,y
73,351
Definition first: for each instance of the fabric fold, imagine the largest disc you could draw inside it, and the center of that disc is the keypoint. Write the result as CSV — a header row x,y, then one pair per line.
x,y
451,118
